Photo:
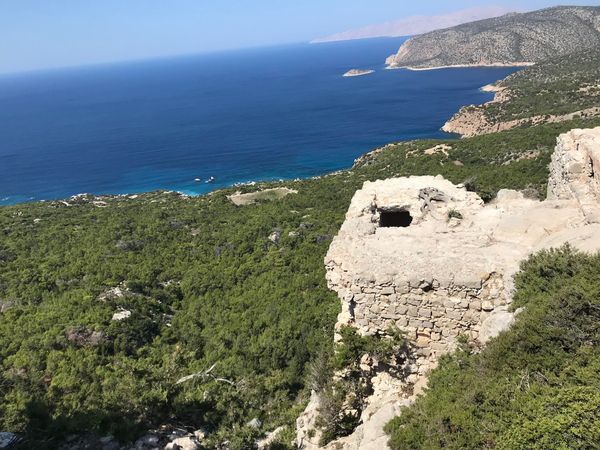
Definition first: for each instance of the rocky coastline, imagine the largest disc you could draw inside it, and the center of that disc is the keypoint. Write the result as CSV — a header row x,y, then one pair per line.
x,y
358,72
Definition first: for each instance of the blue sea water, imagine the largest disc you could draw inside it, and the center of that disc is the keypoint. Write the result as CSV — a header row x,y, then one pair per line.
x,y
261,114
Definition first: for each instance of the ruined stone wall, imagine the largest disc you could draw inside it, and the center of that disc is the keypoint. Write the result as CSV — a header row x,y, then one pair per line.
x,y
450,271
575,167
431,314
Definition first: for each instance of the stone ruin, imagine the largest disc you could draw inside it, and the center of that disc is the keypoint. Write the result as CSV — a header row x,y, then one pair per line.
x,y
430,258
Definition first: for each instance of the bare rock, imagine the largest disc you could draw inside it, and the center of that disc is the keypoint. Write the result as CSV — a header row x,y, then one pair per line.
x,y
397,259
184,443
275,236
575,171
255,423
113,293
83,337
5,305
121,315
201,434
495,324
8,439
150,441
307,434
270,438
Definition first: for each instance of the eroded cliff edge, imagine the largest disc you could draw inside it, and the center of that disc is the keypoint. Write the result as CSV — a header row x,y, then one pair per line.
x,y
429,258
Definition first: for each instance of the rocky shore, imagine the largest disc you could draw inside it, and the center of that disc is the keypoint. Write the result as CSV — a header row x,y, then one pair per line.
x,y
358,72
472,121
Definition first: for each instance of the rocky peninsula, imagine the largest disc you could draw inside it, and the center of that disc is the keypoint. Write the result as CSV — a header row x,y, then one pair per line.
x,y
573,93
511,40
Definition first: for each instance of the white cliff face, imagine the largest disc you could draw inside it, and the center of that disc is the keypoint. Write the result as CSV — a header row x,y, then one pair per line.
x,y
575,170
426,256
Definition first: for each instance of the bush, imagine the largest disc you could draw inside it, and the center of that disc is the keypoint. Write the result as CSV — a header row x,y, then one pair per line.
x,y
454,214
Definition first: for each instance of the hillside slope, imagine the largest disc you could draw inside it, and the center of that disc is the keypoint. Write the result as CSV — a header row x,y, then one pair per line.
x,y
512,39
106,302
553,91
205,282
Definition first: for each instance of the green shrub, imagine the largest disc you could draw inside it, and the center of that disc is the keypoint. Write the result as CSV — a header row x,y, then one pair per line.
x,y
454,214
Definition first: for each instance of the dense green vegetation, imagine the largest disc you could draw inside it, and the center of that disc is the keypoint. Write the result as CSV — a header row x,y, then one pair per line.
x,y
205,285
536,386
559,86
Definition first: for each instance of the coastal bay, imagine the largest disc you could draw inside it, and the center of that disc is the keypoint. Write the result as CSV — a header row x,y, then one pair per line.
x,y
263,114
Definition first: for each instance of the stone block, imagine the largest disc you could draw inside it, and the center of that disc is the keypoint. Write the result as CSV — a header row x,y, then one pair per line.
x,y
454,314
424,351
438,312
487,306
402,288
359,298
475,305
471,316
425,312
401,309
401,322
423,341
449,304
414,301
355,289
415,323
362,322
391,299
436,300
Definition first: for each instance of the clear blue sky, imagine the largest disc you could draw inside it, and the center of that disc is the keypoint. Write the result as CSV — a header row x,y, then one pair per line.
x,y
38,34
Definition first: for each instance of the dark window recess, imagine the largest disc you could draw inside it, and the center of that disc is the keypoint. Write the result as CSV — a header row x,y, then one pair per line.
x,y
394,219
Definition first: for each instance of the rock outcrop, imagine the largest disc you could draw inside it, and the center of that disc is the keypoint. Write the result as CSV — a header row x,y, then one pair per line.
x,y
7,440
472,121
358,73
430,258
513,39
575,171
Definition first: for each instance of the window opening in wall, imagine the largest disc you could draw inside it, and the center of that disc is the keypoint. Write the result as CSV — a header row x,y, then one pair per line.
x,y
394,219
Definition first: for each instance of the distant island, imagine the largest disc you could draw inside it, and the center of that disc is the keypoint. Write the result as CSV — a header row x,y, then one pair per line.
x,y
358,72
513,39
411,26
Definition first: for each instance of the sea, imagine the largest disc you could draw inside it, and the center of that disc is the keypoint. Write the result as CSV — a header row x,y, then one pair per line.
x,y
198,123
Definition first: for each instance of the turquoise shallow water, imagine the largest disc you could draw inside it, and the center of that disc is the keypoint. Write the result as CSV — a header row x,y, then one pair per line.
x,y
262,114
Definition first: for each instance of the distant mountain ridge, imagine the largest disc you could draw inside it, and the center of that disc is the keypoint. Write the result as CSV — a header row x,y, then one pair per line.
x,y
512,39
417,24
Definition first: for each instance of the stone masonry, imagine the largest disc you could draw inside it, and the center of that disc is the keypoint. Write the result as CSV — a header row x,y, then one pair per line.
x,y
428,257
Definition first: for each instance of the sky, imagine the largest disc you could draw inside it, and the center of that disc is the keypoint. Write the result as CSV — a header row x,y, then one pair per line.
x,y
40,34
